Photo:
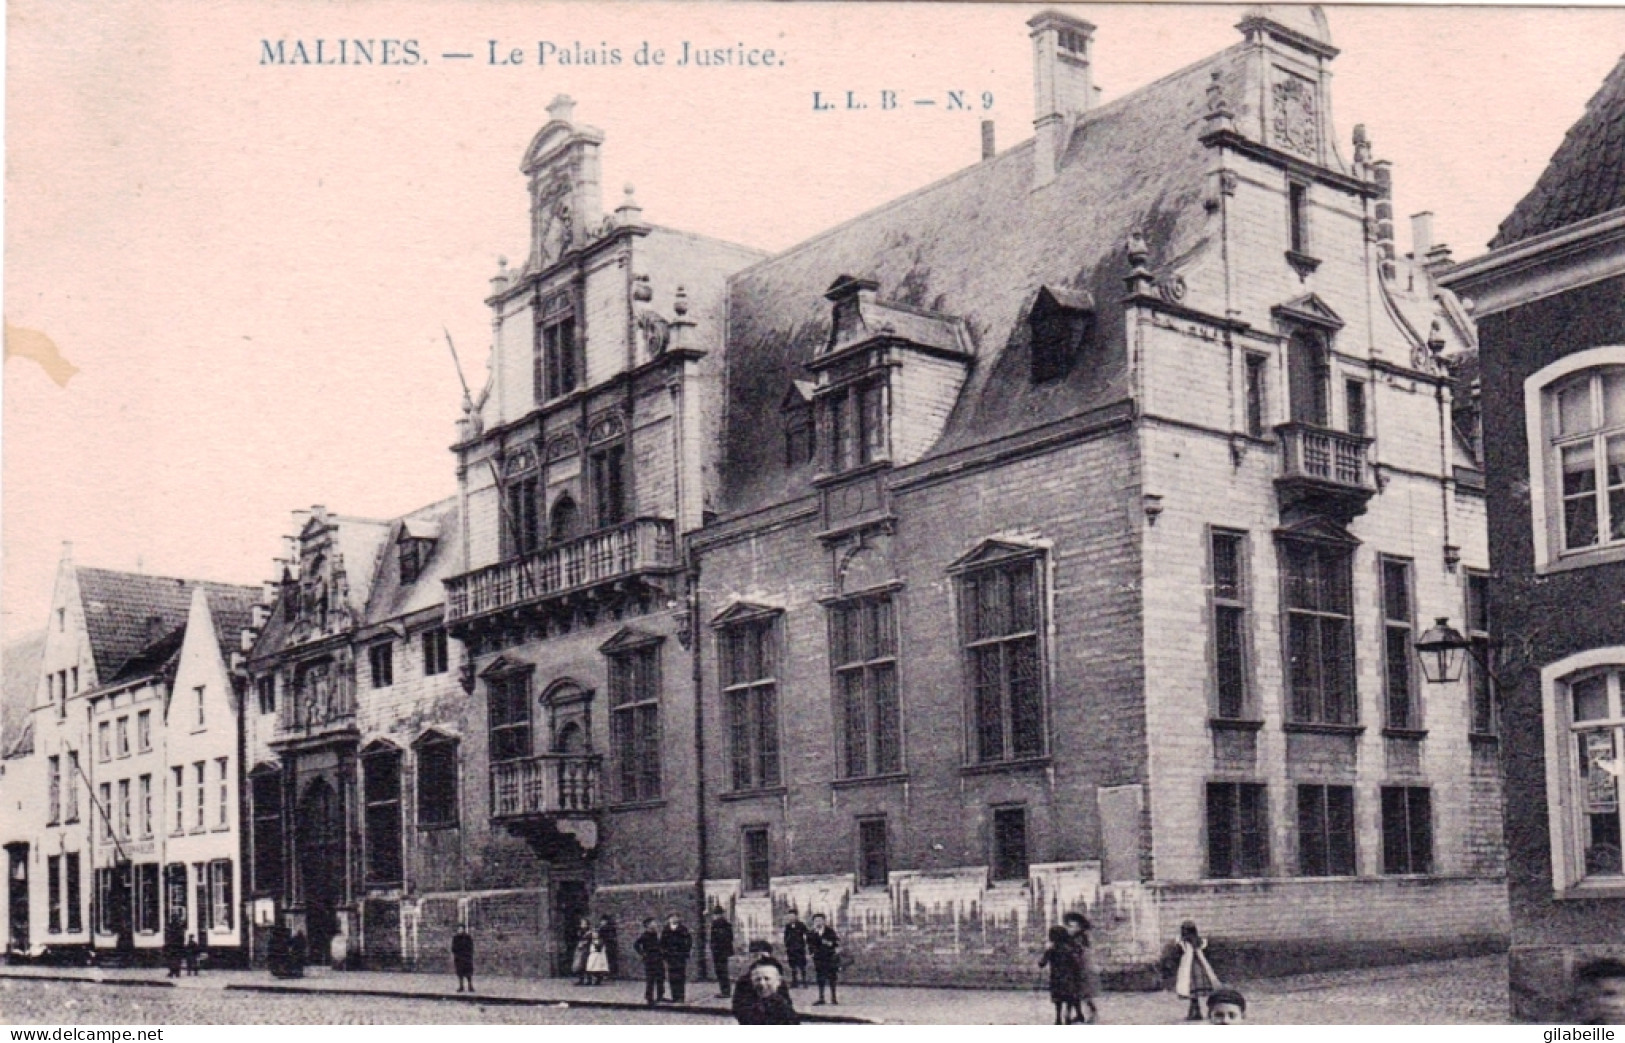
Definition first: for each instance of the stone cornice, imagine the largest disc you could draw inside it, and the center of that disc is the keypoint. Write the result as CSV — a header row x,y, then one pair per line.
x,y
1520,273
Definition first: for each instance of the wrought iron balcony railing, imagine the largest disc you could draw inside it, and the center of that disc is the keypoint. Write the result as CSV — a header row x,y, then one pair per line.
x,y
643,545
549,784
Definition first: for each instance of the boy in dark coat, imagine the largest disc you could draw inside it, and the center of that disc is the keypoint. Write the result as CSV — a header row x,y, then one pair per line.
x,y
675,945
795,950
722,948
462,957
760,995
826,957
192,951
654,964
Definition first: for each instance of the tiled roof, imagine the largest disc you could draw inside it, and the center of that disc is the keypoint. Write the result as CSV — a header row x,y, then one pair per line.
x,y
19,682
1586,176
978,245
125,612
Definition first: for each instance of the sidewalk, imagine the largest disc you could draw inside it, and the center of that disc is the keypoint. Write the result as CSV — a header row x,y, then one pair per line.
x,y
1444,992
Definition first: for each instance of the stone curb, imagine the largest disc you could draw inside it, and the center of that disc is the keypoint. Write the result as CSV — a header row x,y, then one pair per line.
x,y
524,1001
442,997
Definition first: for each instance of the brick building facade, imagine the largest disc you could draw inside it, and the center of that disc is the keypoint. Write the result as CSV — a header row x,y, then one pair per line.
x,y
1054,537
1133,479
1549,297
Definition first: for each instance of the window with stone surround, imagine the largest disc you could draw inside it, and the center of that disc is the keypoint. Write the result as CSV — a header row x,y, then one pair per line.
x,y
855,421
521,532
143,730
1326,843
863,656
436,654
749,662
437,781
607,476
266,689
1407,829
634,721
1228,605
1398,638
1584,697
1575,411
1308,359
1257,393
381,790
1001,616
558,364
1354,406
70,783
757,873
381,663
1237,829
508,712
265,789
53,775
147,898
1318,581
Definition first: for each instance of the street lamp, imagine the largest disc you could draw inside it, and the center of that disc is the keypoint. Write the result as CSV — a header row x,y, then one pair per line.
x,y
1441,647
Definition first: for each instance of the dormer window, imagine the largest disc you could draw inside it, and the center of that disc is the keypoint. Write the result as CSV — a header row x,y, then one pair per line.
x,y
414,556
1060,321
800,431
855,422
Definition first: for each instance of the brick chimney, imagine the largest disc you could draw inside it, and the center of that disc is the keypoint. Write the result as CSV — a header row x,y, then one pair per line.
x,y
1063,86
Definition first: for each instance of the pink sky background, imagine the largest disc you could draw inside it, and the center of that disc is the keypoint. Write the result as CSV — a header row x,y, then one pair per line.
x,y
251,265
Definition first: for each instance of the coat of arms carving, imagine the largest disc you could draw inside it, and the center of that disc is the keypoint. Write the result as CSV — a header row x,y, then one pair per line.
x,y
1294,117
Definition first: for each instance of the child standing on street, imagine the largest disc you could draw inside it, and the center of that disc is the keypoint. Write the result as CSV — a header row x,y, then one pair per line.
x,y
597,959
1077,928
1061,957
1195,979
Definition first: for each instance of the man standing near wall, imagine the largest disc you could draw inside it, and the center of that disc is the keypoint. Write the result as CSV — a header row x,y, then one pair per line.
x,y
675,945
722,948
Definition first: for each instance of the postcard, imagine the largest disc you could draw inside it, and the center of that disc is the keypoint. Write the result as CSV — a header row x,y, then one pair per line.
x,y
692,513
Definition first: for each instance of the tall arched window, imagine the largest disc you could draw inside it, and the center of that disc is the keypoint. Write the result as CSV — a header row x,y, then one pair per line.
x,y
564,523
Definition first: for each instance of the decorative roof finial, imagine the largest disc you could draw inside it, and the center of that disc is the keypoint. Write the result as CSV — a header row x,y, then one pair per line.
x,y
561,108
1436,338
642,291
680,304
1138,280
1362,147
1219,115
629,212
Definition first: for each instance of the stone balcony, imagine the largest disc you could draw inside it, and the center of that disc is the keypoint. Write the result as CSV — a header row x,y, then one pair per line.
x,y
548,786
1324,472
634,559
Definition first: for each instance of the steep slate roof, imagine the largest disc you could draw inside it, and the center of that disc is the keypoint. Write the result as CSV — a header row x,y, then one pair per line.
x,y
231,609
390,599
978,245
119,605
19,682
1586,176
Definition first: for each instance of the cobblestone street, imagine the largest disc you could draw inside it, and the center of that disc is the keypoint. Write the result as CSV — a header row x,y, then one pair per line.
x,y
1469,991
69,1003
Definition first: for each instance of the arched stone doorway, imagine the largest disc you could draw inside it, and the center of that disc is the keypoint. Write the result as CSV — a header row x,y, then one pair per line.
x,y
319,833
